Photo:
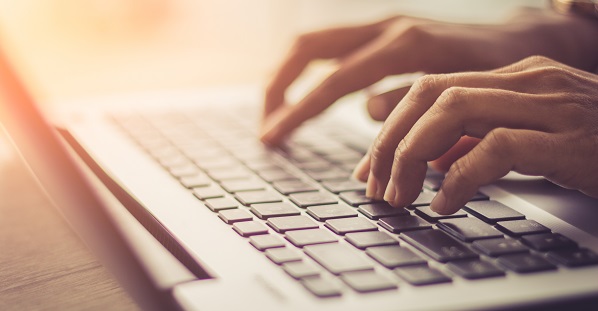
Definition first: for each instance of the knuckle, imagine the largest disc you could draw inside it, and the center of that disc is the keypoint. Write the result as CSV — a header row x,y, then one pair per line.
x,y
450,99
537,60
377,154
426,83
304,43
499,142
402,152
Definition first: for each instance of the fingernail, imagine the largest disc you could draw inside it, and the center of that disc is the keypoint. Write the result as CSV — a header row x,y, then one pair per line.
x,y
361,170
372,187
390,193
438,204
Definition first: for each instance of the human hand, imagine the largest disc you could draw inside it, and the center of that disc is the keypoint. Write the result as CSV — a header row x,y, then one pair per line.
x,y
368,53
536,117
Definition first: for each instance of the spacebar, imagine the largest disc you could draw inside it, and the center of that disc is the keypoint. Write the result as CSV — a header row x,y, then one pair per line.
x,y
338,258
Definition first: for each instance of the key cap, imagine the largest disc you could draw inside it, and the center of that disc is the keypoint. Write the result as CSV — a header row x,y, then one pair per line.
x,y
302,238
284,224
424,198
332,211
338,258
184,170
475,269
321,287
378,210
498,247
492,211
255,197
368,239
421,275
426,213
574,257
329,174
209,192
438,245
266,241
306,199
219,204
249,228
282,255
276,175
267,210
215,163
368,281
433,182
199,180
393,256
338,186
548,241
469,229
356,198
521,227
287,187
525,263
232,186
230,216
229,173
299,270
346,225
398,224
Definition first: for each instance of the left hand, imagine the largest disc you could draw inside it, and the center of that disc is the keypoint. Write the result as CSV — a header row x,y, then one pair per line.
x,y
536,117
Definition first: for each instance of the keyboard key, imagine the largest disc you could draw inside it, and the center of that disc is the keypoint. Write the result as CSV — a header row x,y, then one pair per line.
x,y
229,173
321,287
329,174
276,175
338,186
347,225
332,211
548,241
284,224
302,238
255,197
266,241
378,210
475,269
492,211
356,198
199,180
232,186
283,255
498,247
404,223
393,256
338,258
219,204
209,192
421,275
287,187
230,216
521,227
424,198
299,269
426,213
469,229
184,170
368,239
574,257
267,210
438,245
306,199
249,228
525,263
433,182
368,281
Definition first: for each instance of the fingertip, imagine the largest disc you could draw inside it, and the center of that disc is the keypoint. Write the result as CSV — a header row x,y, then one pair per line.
x,y
440,205
362,169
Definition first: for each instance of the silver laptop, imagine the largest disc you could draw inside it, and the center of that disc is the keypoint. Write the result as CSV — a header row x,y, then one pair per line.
x,y
227,224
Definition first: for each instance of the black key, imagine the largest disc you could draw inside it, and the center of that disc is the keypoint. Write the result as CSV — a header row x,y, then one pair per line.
x,y
404,223
338,258
368,239
479,197
306,199
276,175
356,198
299,269
287,187
498,247
266,241
255,197
284,224
267,210
469,229
346,225
302,238
331,211
249,228
433,182
368,281
338,186
548,241
475,269
219,204
229,173
525,263
426,213
321,287
283,255
234,215
378,210
199,180
421,275
392,256
574,257
492,211
438,245
209,192
424,198
521,227
329,174
239,185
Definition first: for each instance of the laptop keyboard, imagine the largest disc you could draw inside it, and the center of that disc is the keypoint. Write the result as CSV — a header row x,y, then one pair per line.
x,y
298,205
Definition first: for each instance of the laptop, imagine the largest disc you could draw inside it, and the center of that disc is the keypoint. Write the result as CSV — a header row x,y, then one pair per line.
x,y
179,200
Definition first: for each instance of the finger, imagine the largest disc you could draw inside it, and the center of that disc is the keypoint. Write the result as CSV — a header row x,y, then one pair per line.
x,y
502,150
380,106
462,147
